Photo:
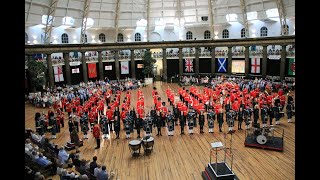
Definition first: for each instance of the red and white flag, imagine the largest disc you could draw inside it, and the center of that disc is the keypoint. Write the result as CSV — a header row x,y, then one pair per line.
x,y
255,65
124,67
58,74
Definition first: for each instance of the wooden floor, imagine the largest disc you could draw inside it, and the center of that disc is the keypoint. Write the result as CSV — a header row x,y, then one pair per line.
x,y
181,157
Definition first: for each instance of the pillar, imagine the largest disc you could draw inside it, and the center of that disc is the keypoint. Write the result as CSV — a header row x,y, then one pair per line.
x,y
180,62
283,62
84,67
197,61
100,65
213,60
117,67
164,64
132,63
50,70
264,61
229,60
247,63
66,58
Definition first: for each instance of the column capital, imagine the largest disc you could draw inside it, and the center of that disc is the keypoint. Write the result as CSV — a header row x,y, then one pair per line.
x,y
265,46
229,47
131,50
99,51
164,49
65,52
83,52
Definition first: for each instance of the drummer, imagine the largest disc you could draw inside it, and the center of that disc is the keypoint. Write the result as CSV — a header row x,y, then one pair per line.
x,y
170,125
127,128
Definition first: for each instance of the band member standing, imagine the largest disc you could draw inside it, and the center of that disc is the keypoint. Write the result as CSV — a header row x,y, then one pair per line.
x,y
182,122
148,126
84,127
255,116
96,134
105,126
230,120
201,121
246,116
240,118
264,115
75,139
270,113
289,109
127,128
190,125
159,123
117,126
175,113
138,125
170,127
276,110
211,116
220,119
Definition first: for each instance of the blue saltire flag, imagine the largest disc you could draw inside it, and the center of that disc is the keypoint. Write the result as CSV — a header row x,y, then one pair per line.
x,y
222,65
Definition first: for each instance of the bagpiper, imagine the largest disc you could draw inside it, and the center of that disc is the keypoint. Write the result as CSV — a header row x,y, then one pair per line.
x,y
211,116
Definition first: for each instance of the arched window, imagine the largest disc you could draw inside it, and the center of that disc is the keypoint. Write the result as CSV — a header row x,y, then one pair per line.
x,y
26,38
102,37
264,32
243,32
225,34
120,37
207,35
137,37
85,38
189,35
285,29
64,38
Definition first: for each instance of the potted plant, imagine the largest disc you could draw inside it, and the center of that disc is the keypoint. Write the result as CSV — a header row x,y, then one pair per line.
x,y
148,63
37,72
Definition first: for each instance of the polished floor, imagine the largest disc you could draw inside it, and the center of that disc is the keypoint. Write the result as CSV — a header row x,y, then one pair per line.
x,y
182,157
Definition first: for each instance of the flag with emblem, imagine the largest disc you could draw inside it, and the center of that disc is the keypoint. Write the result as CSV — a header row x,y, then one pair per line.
x,y
58,74
92,70
188,65
255,65
125,67
222,65
292,67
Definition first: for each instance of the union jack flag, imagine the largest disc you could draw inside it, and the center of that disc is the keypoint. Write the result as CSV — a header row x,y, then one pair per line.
x,y
189,65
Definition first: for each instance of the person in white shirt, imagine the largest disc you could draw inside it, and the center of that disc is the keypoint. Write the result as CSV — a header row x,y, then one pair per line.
x,y
63,156
97,170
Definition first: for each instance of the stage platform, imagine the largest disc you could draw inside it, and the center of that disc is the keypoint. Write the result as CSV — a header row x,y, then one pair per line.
x,y
274,143
224,172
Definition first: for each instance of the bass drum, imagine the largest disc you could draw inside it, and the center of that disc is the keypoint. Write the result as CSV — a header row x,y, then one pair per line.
x,y
261,139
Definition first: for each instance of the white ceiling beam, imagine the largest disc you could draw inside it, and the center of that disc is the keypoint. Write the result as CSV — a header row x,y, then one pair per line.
x,y
211,17
86,7
282,17
49,23
244,16
29,11
148,20
116,20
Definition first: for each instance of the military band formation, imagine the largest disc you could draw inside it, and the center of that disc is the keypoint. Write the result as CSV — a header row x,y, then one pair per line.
x,y
95,107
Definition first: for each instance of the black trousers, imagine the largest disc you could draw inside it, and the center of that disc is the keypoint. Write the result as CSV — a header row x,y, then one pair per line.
x,y
138,132
182,129
98,142
201,128
159,130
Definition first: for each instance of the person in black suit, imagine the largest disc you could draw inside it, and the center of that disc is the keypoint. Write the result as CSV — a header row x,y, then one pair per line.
x,y
201,121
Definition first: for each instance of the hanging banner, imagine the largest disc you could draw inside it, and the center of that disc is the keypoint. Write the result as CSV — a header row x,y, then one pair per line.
x,y
292,67
255,65
124,67
58,74
75,63
92,70
274,57
108,68
76,70
139,66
